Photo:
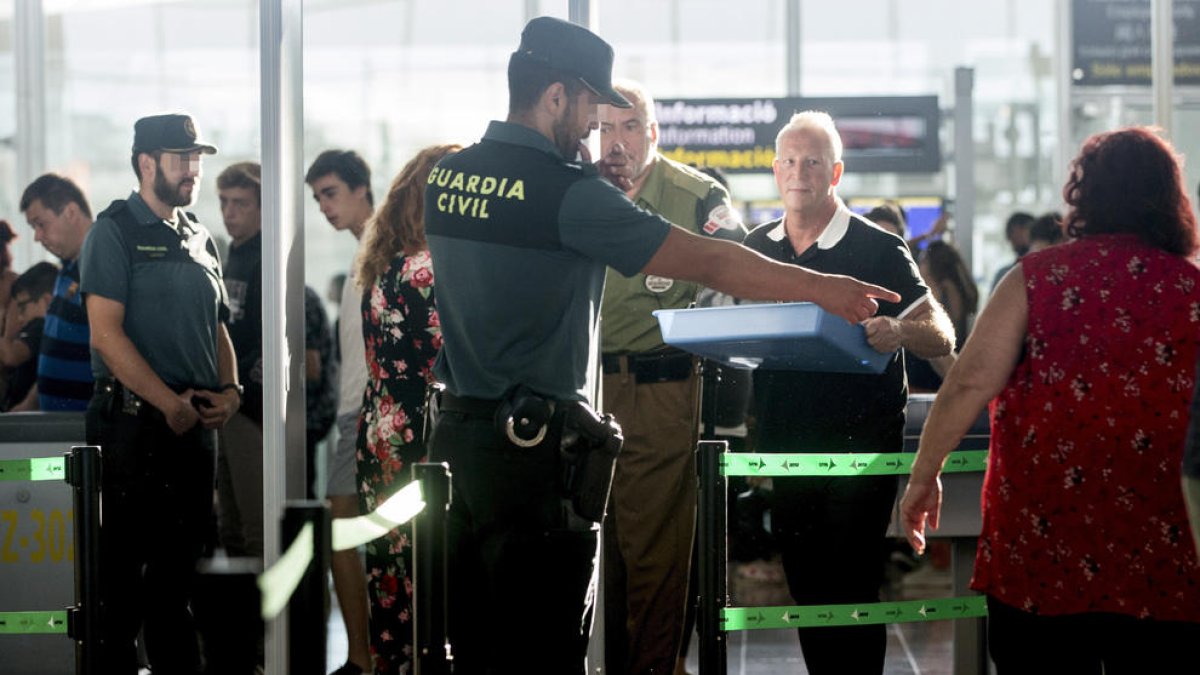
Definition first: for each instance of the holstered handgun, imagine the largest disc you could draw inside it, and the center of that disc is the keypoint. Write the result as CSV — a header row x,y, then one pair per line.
x,y
590,445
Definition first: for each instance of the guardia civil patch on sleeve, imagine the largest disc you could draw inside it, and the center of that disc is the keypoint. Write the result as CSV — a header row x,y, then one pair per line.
x,y
722,218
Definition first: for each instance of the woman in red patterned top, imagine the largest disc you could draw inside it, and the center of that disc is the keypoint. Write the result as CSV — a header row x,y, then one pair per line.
x,y
1089,350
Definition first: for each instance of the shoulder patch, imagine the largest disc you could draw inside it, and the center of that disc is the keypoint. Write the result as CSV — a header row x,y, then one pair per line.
x,y
722,218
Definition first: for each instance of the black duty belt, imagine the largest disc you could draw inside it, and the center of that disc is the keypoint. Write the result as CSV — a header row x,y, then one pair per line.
x,y
650,367
467,405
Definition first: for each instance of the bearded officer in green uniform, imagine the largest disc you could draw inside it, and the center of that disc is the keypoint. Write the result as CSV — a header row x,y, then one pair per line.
x,y
653,390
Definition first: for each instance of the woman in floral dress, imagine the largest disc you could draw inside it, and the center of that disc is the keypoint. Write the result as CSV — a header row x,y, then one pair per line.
x,y
402,336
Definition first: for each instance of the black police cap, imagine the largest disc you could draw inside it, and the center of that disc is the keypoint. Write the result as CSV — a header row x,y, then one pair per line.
x,y
172,132
573,49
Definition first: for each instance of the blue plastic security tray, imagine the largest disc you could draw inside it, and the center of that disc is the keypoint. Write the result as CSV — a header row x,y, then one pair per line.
x,y
788,336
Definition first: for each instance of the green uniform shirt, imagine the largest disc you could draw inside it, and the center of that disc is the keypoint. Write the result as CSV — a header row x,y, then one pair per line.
x,y
170,284
520,238
697,203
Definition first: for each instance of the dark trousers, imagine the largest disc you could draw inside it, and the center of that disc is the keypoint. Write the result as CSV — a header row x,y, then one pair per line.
x,y
1088,644
520,578
831,532
156,500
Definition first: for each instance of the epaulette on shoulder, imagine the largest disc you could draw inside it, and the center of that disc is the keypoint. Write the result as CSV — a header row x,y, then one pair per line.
x,y
689,179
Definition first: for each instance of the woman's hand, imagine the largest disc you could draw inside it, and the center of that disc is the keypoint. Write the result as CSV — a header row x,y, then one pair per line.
x,y
920,506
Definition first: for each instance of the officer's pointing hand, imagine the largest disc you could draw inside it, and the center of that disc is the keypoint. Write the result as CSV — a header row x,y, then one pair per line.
x,y
852,299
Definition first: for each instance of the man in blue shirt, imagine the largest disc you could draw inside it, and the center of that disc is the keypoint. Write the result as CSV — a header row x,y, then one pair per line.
x,y
60,217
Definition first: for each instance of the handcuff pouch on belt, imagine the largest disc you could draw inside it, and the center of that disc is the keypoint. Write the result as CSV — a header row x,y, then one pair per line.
x,y
588,444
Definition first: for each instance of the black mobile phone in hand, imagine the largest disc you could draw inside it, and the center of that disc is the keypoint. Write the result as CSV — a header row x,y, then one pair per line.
x,y
200,403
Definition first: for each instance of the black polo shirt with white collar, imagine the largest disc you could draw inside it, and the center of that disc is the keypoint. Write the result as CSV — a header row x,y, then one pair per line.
x,y
839,412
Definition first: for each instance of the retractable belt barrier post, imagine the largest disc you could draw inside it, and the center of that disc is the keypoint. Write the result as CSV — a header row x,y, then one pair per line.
x,y
234,602
227,609
712,578
716,617
430,654
83,619
307,609
80,468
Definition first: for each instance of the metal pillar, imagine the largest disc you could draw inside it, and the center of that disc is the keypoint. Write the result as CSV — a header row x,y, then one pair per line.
x,y
964,164
29,33
281,59
1063,50
792,25
584,13
1162,62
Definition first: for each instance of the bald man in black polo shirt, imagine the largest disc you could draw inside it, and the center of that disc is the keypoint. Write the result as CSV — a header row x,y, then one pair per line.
x,y
831,530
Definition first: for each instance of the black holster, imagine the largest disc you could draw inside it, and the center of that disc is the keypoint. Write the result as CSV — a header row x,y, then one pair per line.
x,y
590,445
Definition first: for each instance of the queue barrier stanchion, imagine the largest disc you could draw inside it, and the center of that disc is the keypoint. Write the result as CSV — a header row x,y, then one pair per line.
x,y
308,606
716,617
431,653
79,468
234,602
83,618
227,610
714,596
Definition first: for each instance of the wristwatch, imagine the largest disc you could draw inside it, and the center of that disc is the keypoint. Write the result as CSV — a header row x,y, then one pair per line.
x,y
241,391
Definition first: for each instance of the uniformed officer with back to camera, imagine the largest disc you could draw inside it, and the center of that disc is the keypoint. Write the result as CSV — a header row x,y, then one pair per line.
x,y
653,390
521,231
166,379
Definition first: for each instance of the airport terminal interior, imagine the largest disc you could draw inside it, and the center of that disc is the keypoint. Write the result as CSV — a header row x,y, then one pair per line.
x,y
964,113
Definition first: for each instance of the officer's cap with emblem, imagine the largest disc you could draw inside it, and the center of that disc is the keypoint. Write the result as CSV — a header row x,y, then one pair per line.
x,y
573,49
172,132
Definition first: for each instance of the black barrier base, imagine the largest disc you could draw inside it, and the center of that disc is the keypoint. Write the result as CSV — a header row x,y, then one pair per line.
x,y
228,610
310,603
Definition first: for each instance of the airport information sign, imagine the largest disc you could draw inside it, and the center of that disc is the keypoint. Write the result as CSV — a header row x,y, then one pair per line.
x,y
737,135
1111,42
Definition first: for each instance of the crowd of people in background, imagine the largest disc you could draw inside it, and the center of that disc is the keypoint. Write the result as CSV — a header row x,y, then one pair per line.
x,y
1069,354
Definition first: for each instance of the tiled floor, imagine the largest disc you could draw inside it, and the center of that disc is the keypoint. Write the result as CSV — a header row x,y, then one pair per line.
x,y
913,648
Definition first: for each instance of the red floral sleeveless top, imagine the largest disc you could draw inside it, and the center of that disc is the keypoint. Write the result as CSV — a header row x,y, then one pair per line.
x,y
1082,506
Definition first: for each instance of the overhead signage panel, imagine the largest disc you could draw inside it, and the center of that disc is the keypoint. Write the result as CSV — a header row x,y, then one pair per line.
x,y
737,135
1112,42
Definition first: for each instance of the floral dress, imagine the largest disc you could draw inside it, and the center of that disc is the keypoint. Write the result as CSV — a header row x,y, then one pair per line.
x,y
1082,510
402,336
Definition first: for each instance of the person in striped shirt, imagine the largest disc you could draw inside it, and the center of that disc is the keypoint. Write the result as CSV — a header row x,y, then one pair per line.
x,y
60,217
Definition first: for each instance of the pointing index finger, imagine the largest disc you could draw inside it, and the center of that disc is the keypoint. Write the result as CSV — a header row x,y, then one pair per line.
x,y
882,293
